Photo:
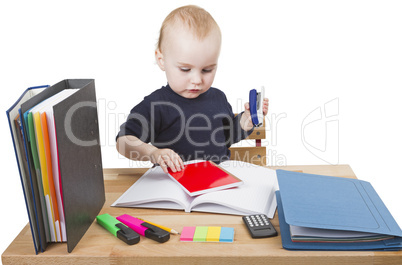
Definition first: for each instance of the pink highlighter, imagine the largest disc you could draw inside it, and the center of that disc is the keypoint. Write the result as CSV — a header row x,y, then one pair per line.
x,y
144,228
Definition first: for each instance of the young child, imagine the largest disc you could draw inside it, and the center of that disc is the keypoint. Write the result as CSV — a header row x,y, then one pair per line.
x,y
186,119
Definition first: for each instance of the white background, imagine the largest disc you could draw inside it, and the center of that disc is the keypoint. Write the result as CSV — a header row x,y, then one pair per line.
x,y
305,53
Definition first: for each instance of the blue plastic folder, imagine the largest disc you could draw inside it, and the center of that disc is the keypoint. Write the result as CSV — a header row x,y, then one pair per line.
x,y
340,204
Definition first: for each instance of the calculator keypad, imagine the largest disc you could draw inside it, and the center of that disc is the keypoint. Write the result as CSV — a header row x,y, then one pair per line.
x,y
259,226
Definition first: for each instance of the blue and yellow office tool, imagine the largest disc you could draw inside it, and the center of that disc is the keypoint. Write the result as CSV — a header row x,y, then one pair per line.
x,y
118,229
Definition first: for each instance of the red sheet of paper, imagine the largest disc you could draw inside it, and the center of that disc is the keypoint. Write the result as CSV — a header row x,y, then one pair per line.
x,y
203,177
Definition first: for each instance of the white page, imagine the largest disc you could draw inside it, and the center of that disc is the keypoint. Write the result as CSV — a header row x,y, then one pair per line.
x,y
327,233
50,219
154,186
56,98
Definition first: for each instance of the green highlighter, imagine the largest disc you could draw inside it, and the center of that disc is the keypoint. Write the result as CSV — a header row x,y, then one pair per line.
x,y
118,229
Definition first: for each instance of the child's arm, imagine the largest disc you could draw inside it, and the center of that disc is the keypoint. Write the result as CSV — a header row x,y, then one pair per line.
x,y
135,149
245,120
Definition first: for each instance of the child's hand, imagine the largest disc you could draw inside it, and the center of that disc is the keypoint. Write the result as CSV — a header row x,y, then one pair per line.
x,y
167,158
245,121
265,104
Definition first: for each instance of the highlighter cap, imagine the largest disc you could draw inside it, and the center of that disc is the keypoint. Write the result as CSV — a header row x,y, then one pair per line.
x,y
156,233
128,235
144,228
118,229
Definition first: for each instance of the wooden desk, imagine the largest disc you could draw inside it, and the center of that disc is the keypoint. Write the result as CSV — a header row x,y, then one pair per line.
x,y
99,247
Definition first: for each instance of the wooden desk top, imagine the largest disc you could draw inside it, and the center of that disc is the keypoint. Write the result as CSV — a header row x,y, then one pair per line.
x,y
99,247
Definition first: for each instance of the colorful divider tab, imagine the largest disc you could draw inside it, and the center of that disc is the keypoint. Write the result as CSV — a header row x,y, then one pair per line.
x,y
207,234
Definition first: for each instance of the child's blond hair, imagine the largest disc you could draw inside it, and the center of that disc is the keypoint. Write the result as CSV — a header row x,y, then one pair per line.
x,y
197,19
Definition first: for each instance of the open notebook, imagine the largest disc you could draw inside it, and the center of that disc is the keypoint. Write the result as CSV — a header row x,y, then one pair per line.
x,y
155,189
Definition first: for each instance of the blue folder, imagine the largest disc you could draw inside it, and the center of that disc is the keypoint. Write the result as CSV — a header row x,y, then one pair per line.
x,y
28,180
335,203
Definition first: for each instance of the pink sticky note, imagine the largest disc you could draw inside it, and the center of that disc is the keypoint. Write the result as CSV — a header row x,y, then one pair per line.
x,y
187,233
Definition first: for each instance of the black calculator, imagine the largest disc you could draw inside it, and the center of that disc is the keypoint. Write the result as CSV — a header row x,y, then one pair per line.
x,y
259,226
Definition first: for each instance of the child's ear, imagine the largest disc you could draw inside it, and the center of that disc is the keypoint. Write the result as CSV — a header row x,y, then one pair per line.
x,y
159,59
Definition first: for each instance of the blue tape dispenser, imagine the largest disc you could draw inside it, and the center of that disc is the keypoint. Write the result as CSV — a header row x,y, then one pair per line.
x,y
255,100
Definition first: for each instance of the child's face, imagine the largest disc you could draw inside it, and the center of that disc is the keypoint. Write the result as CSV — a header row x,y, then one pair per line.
x,y
190,64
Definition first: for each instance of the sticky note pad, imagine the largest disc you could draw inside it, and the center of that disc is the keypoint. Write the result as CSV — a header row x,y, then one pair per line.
x,y
213,233
187,234
207,234
200,234
227,234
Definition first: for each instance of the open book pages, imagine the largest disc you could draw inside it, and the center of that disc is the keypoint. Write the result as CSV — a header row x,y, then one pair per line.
x,y
155,189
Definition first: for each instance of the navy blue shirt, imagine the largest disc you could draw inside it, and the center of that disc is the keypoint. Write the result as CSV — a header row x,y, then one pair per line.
x,y
199,128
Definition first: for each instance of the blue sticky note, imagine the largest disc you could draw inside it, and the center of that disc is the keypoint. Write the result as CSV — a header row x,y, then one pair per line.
x,y
227,234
